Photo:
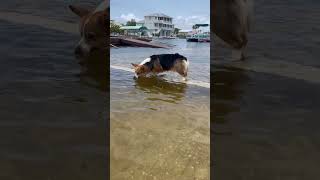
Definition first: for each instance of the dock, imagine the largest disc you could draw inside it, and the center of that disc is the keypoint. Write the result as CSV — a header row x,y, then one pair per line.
x,y
123,41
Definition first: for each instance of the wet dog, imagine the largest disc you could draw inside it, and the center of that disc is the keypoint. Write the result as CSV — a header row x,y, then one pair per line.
x,y
161,63
93,29
231,22
91,51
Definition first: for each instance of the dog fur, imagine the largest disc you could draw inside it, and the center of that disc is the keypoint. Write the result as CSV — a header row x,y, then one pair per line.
x,y
232,22
93,29
161,63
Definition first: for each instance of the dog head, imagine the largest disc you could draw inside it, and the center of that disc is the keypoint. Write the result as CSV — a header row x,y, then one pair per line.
x,y
140,69
93,29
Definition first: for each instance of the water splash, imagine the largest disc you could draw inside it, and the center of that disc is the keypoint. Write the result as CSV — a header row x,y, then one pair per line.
x,y
190,82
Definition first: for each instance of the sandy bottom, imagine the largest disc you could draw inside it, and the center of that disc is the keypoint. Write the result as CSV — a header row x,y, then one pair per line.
x,y
170,143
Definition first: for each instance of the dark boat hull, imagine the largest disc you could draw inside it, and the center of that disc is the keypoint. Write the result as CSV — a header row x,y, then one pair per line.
x,y
192,40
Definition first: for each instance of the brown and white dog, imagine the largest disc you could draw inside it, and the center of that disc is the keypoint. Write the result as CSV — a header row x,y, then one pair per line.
x,y
161,63
231,22
93,28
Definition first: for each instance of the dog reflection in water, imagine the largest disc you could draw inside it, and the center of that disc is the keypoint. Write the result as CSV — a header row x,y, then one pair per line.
x,y
94,71
159,88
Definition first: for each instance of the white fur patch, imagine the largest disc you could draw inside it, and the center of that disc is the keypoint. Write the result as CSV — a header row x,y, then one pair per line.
x,y
186,62
145,61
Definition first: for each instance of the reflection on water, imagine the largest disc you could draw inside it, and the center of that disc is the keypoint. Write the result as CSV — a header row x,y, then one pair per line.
x,y
94,70
157,85
227,89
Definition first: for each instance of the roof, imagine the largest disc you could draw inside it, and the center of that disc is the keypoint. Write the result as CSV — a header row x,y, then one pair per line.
x,y
133,27
159,15
203,25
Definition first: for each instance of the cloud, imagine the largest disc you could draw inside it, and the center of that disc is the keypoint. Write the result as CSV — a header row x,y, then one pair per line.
x,y
128,17
187,22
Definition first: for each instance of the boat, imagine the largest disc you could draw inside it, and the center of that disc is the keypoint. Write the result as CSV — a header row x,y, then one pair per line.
x,y
198,34
127,41
199,37
147,39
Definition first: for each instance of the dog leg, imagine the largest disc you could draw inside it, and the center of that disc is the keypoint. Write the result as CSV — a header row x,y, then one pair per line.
x,y
239,54
236,55
244,53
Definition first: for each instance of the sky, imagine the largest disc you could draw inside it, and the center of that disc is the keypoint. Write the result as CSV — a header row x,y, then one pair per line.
x,y
185,13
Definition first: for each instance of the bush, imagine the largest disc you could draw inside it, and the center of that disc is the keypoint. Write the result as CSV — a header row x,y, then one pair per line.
x,y
114,28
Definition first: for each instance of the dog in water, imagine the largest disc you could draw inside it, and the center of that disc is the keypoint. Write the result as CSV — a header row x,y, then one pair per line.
x,y
161,63
231,22
93,29
92,51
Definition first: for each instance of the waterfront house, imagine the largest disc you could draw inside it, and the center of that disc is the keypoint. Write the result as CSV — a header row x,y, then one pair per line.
x,y
183,33
158,24
137,30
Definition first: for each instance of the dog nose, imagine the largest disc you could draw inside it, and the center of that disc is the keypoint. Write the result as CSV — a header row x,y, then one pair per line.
x,y
78,51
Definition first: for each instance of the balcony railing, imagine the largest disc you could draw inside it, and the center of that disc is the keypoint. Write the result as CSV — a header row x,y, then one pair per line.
x,y
158,21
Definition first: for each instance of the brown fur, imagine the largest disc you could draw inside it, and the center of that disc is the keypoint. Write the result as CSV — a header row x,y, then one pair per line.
x,y
93,28
230,22
178,67
141,69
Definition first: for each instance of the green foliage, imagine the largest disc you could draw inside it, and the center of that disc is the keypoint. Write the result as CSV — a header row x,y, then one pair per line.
x,y
114,28
176,30
131,23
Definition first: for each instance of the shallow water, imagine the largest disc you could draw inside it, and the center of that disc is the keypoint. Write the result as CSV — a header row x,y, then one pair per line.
x,y
53,119
159,125
266,109
198,55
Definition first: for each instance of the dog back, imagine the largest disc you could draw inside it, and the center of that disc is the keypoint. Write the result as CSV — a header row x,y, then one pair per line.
x,y
166,61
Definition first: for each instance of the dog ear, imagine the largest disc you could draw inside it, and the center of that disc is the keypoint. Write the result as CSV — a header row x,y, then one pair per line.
x,y
134,65
79,11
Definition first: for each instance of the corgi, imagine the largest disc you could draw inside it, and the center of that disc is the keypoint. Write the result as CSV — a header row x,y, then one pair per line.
x,y
232,22
93,29
161,63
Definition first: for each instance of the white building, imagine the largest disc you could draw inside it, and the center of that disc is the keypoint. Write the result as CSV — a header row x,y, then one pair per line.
x,y
158,24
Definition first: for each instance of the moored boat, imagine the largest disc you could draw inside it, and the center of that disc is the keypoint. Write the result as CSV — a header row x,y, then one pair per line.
x,y
198,34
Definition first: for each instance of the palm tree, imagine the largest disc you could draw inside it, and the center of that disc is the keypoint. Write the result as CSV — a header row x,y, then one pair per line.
x,y
131,23
176,30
